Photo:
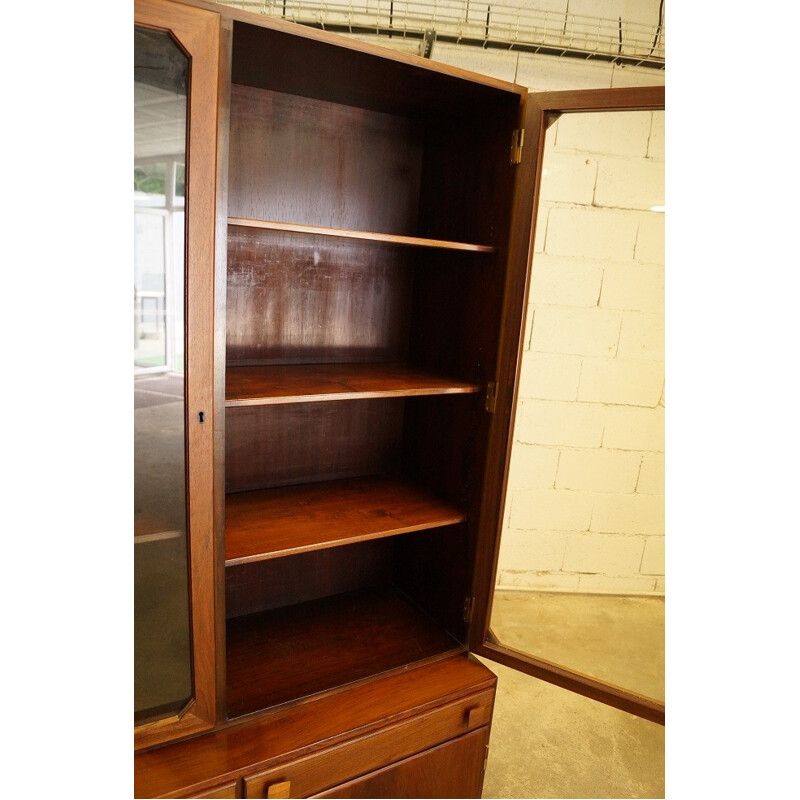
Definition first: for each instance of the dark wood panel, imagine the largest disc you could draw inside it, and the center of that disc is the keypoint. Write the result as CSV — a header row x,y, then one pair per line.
x,y
200,763
296,651
271,385
336,765
264,585
439,440
306,442
467,175
295,159
432,568
454,769
387,80
369,236
278,522
294,298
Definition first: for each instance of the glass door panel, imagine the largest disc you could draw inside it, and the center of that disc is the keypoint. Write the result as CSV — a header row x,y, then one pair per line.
x,y
163,656
580,577
577,580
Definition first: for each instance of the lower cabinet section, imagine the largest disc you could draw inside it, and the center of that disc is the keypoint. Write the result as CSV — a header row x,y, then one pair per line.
x,y
420,733
454,769
308,776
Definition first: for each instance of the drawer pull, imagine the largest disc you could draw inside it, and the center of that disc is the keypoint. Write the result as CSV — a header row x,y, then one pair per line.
x,y
281,789
472,716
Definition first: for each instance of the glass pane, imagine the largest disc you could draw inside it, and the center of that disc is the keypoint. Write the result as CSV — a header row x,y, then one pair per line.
x,y
163,658
580,578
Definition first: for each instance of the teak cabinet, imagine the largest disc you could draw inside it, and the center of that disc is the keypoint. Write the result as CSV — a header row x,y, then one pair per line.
x,y
359,228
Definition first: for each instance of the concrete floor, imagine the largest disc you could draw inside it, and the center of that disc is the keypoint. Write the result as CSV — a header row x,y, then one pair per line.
x,y
547,742
618,639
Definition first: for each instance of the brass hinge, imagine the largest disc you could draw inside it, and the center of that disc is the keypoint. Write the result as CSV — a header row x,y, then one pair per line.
x,y
491,397
469,603
486,758
517,140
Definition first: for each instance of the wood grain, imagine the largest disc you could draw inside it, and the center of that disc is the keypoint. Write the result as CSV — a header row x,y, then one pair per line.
x,y
411,241
295,443
293,652
278,522
305,161
343,70
286,734
293,298
366,754
453,769
272,385
277,582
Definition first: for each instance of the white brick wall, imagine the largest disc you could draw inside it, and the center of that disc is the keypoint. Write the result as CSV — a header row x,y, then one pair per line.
x,y
575,331
585,507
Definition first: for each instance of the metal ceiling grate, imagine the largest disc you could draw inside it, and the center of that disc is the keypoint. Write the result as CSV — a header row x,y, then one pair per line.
x,y
488,25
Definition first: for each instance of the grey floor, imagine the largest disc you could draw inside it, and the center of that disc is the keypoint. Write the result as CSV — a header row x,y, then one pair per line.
x,y
547,742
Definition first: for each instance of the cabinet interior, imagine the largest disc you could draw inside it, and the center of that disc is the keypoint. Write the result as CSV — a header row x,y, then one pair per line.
x,y
368,205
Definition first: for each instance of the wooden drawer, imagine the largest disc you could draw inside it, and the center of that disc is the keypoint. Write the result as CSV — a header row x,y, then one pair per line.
x,y
224,790
454,769
307,776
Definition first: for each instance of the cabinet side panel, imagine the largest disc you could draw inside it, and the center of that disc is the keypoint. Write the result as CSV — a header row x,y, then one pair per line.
x,y
431,568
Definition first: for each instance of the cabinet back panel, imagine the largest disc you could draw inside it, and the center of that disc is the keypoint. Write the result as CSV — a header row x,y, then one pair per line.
x,y
281,445
297,298
266,585
296,159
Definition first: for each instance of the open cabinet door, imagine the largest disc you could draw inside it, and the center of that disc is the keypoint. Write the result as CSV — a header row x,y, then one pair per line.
x,y
594,364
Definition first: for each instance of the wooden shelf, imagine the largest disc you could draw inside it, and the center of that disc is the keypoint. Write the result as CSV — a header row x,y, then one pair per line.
x,y
270,523
389,238
305,383
284,654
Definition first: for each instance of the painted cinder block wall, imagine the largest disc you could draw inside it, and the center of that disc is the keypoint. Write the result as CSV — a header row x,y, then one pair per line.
x,y
585,502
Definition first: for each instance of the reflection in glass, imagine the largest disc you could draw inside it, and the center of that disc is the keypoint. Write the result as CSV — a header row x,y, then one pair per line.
x,y
580,579
163,673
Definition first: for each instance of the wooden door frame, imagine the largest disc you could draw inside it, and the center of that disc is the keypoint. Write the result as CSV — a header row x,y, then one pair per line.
x,y
540,110
198,33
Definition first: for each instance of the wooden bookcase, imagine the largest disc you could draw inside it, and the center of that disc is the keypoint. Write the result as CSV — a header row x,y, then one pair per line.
x,y
373,228
366,256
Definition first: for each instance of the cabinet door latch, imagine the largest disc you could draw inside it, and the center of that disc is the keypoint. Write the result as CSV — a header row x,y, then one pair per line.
x,y
517,140
491,397
469,602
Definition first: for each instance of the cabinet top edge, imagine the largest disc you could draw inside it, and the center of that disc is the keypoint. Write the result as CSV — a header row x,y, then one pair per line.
x,y
326,37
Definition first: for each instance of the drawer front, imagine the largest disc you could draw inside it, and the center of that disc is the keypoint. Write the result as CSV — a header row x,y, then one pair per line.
x,y
454,769
224,790
307,776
